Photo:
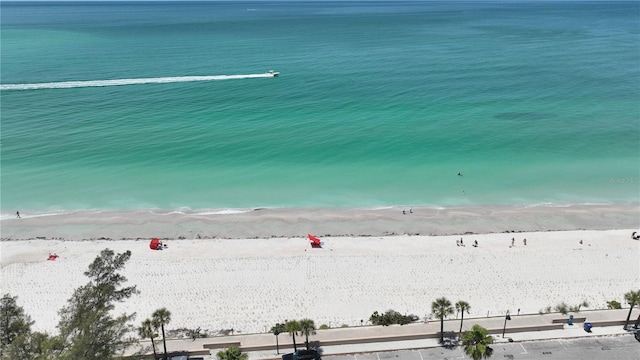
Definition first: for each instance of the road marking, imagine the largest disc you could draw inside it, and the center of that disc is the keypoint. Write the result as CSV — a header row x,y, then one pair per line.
x,y
378,355
523,349
563,345
419,353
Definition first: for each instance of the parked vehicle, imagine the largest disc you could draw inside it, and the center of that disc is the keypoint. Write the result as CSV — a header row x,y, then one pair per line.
x,y
302,355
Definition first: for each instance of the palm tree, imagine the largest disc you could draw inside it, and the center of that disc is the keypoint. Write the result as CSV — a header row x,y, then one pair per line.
x,y
441,308
160,318
232,353
462,306
476,343
146,331
278,329
292,328
307,326
633,299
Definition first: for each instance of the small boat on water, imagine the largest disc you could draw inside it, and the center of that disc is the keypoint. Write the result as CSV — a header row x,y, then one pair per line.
x,y
273,73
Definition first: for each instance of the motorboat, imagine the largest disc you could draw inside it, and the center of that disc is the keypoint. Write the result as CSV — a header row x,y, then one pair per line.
x,y
273,73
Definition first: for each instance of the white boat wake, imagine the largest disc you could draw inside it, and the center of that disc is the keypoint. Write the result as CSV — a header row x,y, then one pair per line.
x,y
120,82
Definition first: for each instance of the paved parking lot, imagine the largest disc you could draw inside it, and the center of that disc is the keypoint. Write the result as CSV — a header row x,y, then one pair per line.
x,y
604,348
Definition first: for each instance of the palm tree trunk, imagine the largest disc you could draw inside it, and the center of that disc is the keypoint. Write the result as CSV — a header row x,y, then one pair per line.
x,y
307,341
164,343
442,330
628,316
153,345
461,320
277,346
294,343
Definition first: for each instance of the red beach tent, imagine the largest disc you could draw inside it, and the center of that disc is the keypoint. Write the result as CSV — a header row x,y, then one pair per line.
x,y
153,245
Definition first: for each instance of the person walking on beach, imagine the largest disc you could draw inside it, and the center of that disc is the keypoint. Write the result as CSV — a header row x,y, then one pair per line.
x,y
18,214
524,242
513,241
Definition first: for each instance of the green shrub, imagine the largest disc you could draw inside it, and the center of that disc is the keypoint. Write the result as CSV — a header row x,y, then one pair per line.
x,y
562,308
391,317
613,305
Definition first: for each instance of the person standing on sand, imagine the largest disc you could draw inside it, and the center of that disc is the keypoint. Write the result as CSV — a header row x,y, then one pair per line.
x,y
513,241
18,214
524,242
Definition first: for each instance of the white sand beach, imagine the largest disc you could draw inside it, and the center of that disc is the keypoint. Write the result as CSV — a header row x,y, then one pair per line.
x,y
249,284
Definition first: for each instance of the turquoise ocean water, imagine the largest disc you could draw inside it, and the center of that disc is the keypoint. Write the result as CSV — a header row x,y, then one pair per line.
x,y
378,104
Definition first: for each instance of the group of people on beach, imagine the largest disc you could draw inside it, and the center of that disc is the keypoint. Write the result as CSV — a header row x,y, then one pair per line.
x,y
404,212
513,242
461,243
475,242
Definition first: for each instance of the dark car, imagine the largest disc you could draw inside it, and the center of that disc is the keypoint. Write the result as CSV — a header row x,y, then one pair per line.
x,y
636,333
302,355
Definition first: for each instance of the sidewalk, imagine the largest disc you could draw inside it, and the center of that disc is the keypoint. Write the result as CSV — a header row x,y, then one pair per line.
x,y
413,336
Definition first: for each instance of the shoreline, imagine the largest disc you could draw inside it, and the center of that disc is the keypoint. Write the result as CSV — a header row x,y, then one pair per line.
x,y
334,222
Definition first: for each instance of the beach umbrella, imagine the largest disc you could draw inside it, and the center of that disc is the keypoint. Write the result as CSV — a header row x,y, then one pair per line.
x,y
153,245
315,242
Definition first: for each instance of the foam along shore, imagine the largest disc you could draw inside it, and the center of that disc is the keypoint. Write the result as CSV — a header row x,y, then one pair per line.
x,y
251,284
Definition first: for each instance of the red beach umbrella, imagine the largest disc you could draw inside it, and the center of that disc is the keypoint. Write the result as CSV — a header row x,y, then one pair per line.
x,y
315,242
